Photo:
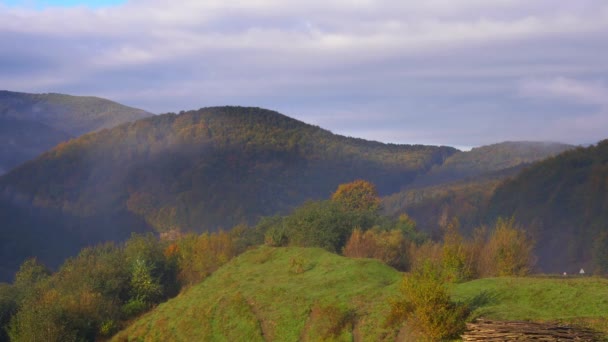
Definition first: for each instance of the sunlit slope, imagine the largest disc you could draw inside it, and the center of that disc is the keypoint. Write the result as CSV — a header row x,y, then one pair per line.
x,y
278,294
293,294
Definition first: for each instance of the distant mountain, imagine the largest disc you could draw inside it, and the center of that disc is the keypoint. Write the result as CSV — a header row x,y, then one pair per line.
x,y
564,200
490,159
33,123
463,185
199,170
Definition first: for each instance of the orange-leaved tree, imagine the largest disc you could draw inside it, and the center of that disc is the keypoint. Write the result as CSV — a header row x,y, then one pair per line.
x,y
359,195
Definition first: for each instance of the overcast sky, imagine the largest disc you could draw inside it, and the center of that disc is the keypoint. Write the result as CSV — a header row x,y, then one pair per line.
x,y
452,72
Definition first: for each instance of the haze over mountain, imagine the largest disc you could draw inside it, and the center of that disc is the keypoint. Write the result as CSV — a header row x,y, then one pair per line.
x,y
199,170
221,166
33,123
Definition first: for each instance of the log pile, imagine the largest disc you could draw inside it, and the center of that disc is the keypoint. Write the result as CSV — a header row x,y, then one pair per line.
x,y
488,330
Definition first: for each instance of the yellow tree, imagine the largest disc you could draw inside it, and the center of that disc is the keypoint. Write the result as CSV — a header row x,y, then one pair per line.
x,y
359,195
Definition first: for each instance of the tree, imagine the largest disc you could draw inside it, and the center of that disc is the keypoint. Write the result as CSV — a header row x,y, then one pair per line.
x,y
320,224
456,264
359,195
30,272
510,249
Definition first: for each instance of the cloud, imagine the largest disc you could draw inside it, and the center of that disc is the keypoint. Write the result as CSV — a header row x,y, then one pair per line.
x,y
434,71
567,89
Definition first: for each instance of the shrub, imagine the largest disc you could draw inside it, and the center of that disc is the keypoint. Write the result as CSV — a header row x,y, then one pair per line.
x,y
389,247
426,306
276,236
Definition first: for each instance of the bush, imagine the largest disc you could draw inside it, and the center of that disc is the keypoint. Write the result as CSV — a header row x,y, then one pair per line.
x,y
426,306
389,247
276,236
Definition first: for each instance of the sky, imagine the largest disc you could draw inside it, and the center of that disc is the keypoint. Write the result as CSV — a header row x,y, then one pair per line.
x,y
452,72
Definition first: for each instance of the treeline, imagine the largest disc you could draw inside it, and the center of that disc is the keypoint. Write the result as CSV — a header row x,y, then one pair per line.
x,y
94,294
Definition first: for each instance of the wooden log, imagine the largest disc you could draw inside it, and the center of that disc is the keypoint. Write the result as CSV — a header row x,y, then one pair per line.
x,y
490,330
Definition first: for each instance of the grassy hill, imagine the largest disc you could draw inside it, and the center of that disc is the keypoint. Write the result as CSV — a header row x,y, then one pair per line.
x,y
278,294
564,200
199,170
291,294
33,123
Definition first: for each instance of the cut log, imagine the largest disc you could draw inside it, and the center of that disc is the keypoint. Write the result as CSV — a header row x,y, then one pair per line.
x,y
490,330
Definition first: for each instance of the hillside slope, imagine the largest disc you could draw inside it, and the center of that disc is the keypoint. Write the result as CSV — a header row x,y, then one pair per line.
x,y
564,200
200,170
299,294
278,294
33,123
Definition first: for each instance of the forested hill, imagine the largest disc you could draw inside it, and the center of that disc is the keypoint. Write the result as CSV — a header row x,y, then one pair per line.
x,y
33,123
490,159
200,170
565,200
463,185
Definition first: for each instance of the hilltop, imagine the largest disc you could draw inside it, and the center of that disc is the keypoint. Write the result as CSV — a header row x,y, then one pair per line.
x,y
262,295
33,123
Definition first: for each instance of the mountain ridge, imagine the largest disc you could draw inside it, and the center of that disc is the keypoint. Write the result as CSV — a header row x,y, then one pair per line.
x,y
199,170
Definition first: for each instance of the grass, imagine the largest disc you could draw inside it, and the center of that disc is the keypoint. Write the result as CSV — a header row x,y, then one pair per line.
x,y
278,294
292,294
582,301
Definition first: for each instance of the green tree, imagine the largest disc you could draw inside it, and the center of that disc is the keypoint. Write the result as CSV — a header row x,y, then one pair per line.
x,y
30,273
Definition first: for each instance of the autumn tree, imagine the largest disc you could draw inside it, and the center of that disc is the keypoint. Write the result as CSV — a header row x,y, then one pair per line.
x,y
456,263
359,195
510,250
